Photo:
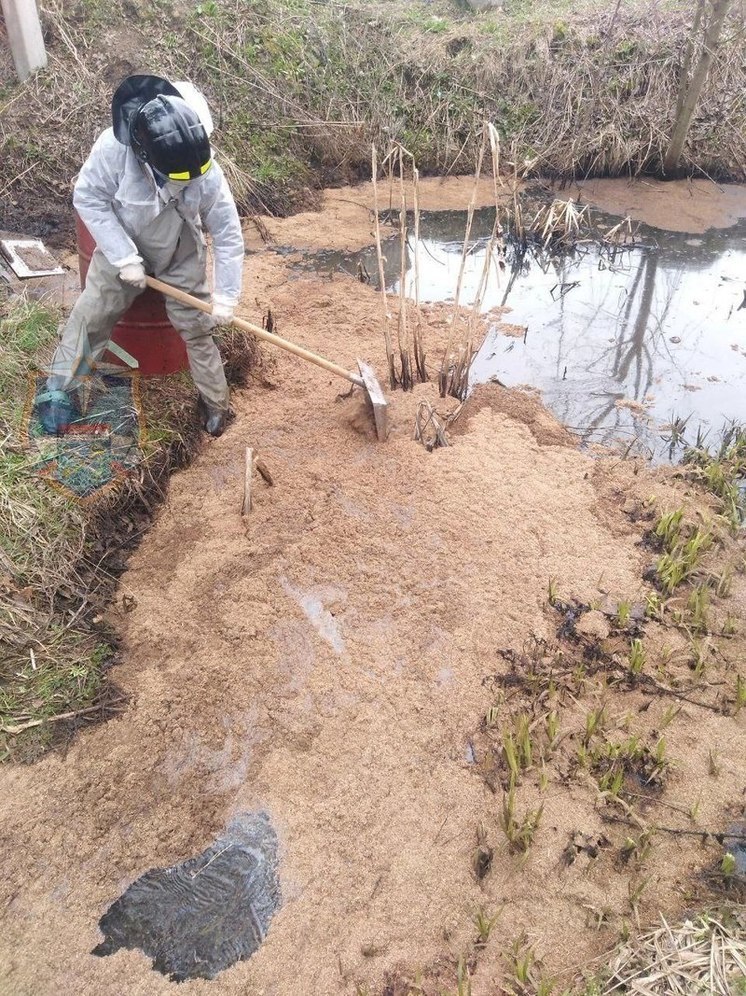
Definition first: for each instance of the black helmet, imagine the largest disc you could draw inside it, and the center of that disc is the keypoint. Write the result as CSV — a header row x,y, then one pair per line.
x,y
167,134
131,94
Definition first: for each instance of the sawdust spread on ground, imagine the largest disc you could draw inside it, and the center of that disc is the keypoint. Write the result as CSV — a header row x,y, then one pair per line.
x,y
328,661
680,206
346,221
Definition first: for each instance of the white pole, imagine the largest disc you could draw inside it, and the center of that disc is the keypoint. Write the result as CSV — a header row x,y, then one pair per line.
x,y
24,35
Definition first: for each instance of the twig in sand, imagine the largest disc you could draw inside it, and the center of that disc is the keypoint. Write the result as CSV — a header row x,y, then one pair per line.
x,y
20,727
720,836
248,471
263,469
428,428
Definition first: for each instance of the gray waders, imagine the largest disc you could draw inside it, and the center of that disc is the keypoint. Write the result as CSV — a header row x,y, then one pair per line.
x,y
174,252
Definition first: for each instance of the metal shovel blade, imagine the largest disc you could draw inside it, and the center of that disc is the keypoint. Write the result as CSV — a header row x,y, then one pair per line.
x,y
376,398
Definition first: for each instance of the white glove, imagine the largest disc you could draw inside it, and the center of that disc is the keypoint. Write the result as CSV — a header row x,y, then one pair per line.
x,y
134,275
222,309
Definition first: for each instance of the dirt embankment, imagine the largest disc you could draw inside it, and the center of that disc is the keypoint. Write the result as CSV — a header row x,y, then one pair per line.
x,y
332,660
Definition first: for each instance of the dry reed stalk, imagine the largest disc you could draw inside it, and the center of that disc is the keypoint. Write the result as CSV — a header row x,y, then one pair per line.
x,y
519,228
382,273
706,955
496,244
621,234
447,367
395,164
429,429
419,345
403,329
454,375
560,224
248,473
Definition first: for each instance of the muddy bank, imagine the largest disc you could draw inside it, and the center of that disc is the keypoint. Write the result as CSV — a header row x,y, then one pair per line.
x,y
299,114
330,662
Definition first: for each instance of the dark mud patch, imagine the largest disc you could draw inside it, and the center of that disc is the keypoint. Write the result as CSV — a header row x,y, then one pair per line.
x,y
200,917
34,216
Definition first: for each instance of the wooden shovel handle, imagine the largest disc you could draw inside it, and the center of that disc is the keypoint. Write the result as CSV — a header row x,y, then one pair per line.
x,y
239,323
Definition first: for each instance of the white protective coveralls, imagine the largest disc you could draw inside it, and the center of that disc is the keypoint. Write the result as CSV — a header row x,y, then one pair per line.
x,y
133,220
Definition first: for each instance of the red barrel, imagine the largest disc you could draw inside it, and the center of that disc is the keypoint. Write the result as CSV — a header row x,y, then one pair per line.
x,y
144,330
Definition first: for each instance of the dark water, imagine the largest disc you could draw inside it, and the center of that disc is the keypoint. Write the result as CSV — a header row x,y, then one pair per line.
x,y
658,326
201,916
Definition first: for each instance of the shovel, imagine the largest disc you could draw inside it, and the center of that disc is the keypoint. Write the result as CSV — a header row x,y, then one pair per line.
x,y
365,379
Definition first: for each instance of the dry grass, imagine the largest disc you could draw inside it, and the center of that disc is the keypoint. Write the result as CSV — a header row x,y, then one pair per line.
x,y
705,955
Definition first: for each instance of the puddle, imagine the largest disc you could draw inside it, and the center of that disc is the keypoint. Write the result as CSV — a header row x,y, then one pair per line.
x,y
205,914
617,349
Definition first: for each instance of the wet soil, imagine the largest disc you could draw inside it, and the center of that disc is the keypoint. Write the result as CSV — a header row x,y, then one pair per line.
x,y
231,892
327,661
346,219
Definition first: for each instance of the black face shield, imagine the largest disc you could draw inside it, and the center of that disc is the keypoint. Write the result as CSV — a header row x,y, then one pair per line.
x,y
132,94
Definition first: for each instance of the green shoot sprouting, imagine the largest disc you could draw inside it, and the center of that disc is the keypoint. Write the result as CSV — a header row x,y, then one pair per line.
x,y
636,657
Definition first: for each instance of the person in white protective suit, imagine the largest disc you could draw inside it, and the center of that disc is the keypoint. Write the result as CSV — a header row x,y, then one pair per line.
x,y
146,193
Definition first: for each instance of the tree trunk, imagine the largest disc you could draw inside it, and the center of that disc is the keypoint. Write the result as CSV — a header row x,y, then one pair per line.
x,y
690,91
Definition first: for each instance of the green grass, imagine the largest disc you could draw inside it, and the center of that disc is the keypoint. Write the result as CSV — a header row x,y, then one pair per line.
x,y
636,656
722,470
614,762
518,747
26,329
39,527
47,667
682,561
520,831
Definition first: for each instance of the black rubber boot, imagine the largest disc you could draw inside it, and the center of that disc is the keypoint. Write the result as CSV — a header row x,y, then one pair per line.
x,y
56,410
214,420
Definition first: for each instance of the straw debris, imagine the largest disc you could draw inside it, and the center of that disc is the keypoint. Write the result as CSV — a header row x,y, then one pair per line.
x,y
704,955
